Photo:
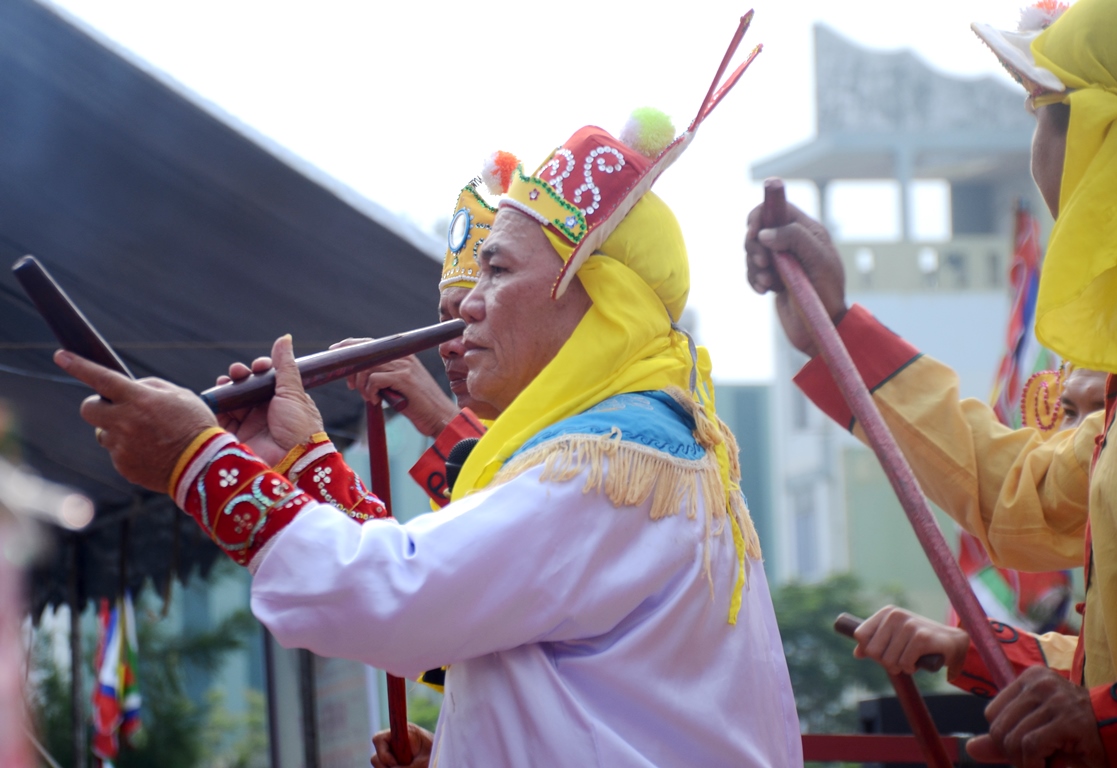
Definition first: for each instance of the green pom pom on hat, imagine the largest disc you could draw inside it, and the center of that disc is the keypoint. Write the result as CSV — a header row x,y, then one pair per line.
x,y
648,131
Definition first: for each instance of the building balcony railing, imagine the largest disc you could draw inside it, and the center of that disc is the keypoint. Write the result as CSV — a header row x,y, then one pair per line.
x,y
972,263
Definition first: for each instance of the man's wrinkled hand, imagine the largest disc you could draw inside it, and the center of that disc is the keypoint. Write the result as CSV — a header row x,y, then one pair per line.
x,y
428,407
145,425
1038,715
421,741
288,420
808,241
896,639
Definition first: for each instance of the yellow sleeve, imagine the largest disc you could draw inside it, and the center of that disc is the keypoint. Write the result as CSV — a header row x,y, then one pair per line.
x,y
1022,492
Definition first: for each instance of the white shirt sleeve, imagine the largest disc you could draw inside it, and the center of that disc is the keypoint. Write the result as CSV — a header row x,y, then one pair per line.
x,y
520,563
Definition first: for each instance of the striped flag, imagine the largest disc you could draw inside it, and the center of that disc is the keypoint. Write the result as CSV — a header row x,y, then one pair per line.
x,y
1023,355
116,696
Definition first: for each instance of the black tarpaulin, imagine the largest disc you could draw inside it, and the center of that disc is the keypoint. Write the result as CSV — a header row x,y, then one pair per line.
x,y
189,246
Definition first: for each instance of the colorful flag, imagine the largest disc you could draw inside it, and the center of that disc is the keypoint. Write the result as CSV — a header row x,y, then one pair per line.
x,y
116,696
1034,601
1023,355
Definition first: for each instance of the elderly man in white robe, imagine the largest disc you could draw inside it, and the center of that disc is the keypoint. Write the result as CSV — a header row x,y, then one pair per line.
x,y
595,587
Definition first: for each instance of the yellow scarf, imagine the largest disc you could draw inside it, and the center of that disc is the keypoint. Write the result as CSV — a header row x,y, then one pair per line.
x,y
1076,311
638,282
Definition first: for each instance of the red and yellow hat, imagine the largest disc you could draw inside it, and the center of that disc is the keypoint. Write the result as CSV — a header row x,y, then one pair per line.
x,y
471,222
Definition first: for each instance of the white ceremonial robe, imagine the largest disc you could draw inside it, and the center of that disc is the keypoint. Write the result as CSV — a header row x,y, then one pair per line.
x,y
577,633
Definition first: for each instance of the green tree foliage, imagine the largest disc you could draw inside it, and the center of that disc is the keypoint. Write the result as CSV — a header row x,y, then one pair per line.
x,y
249,746
423,707
825,676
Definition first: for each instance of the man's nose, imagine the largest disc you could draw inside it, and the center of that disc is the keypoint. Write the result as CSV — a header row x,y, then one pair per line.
x,y
473,307
452,348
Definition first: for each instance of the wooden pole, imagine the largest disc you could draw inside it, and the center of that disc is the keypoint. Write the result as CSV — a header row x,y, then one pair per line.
x,y
899,473
381,484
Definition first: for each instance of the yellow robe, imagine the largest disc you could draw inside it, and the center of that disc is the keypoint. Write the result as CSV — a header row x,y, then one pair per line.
x,y
1025,494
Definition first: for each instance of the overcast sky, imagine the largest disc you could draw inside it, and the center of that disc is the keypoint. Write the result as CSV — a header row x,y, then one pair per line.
x,y
403,101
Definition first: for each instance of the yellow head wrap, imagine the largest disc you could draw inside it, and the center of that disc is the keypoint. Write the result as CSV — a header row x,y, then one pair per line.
x,y
626,342
1076,311
592,199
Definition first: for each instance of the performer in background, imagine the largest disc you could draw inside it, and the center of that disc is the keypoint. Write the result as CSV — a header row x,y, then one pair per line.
x,y
1034,499
426,406
595,587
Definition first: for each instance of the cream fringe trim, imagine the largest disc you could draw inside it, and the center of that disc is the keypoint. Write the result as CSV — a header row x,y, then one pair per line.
x,y
637,472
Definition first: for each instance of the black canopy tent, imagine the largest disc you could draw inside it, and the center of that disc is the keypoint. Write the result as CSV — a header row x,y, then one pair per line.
x,y
189,245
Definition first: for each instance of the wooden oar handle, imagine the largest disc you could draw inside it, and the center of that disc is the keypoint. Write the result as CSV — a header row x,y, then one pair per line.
x,y
846,624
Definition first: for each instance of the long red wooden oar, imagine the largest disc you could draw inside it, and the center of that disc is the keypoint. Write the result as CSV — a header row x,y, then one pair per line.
x,y
903,481
380,484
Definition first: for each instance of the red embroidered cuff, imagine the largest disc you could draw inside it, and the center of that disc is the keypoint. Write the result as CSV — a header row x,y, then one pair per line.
x,y
430,470
878,353
1022,650
321,472
235,497
1103,698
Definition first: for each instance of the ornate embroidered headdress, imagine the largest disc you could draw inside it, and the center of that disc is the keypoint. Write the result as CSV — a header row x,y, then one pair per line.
x,y
470,224
1041,404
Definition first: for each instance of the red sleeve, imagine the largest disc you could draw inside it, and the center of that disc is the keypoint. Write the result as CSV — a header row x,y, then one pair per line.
x,y
238,500
1104,700
877,352
319,469
430,470
1022,650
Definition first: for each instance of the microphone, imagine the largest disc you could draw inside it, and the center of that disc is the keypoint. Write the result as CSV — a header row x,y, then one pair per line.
x,y
456,459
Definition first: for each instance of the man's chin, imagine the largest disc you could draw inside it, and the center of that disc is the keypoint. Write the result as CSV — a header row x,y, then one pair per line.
x,y
480,389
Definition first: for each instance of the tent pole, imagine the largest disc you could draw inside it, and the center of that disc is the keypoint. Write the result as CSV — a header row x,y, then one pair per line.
x,y
77,711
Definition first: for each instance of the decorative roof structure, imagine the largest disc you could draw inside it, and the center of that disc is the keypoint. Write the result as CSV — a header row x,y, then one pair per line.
x,y
888,115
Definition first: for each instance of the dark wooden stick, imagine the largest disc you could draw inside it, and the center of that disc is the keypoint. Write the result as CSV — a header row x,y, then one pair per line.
x,y
333,364
381,484
899,473
74,332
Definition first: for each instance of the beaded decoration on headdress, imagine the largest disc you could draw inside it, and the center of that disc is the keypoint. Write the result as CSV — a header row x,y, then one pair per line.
x,y
471,222
1041,405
